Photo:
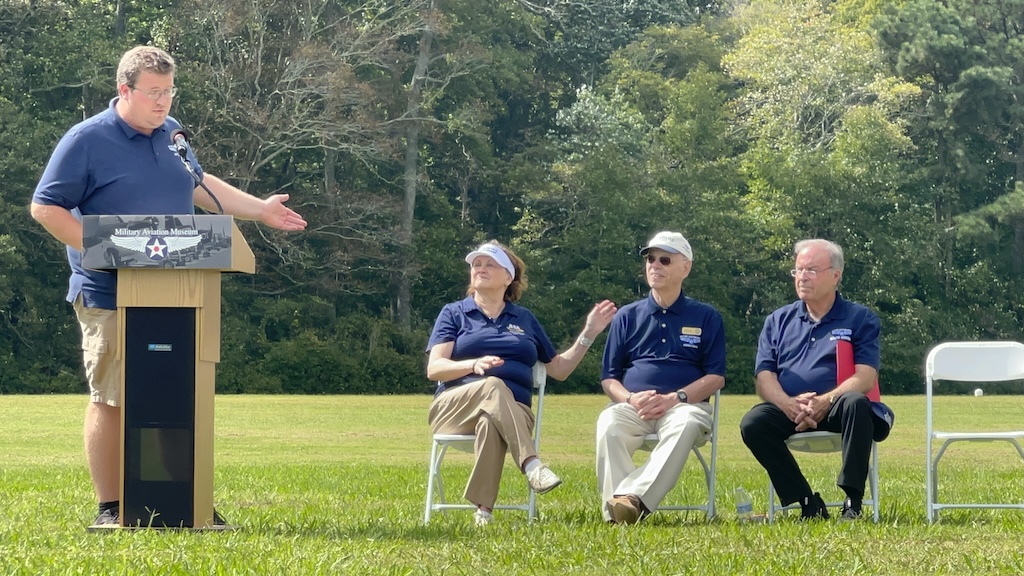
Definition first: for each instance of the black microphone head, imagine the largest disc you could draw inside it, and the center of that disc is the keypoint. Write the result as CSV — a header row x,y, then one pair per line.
x,y
179,138
179,134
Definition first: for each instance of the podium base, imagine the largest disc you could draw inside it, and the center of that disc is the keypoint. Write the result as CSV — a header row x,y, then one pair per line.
x,y
97,528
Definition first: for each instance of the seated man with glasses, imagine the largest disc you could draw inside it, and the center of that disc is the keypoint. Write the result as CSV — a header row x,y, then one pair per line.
x,y
664,358
796,376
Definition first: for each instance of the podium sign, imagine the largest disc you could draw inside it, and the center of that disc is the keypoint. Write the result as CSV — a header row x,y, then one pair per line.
x,y
169,241
168,303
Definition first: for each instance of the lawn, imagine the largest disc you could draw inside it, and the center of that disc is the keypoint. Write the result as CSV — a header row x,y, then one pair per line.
x,y
336,484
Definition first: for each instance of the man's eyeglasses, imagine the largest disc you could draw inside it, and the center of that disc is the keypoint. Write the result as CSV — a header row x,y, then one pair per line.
x,y
809,272
157,94
664,260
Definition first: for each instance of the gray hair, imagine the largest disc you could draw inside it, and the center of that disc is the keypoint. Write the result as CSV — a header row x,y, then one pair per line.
x,y
835,252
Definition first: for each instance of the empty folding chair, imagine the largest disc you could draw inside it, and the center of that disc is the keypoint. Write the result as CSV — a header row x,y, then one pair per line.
x,y
981,362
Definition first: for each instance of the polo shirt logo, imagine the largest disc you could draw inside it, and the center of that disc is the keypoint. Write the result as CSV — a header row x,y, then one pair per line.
x,y
842,334
513,329
689,341
691,330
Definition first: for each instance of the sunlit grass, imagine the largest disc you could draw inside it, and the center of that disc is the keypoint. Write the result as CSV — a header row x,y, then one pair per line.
x,y
335,485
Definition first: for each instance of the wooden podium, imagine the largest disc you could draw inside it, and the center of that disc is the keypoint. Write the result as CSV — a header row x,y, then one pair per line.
x,y
168,305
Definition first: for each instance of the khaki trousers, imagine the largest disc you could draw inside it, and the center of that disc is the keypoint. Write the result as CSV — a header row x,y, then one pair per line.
x,y
621,432
99,353
487,409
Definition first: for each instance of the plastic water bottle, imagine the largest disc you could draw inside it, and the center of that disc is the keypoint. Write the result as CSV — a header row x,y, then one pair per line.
x,y
744,505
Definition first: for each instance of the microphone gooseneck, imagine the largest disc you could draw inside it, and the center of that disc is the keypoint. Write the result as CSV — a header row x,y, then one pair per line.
x,y
179,138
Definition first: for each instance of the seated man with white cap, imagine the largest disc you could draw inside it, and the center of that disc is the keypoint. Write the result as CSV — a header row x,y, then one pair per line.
x,y
482,351
665,357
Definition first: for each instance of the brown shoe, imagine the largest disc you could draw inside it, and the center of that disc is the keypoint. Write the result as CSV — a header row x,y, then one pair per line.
x,y
626,509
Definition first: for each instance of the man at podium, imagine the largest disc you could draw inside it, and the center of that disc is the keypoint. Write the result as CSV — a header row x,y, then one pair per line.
x,y
123,161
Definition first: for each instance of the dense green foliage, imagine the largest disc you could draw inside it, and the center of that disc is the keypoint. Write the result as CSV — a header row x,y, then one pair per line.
x,y
406,132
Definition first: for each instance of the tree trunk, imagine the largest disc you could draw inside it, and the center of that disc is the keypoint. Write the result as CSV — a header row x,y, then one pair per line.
x,y
1018,219
119,25
330,178
411,177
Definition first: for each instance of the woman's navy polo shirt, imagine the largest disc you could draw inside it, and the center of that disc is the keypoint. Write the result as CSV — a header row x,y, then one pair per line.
x,y
104,166
664,349
802,352
515,336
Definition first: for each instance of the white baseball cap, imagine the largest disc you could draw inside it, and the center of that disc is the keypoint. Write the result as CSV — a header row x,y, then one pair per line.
x,y
669,242
495,252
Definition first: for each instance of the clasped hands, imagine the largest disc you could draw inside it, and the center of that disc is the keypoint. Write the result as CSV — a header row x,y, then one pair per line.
x,y
807,410
650,405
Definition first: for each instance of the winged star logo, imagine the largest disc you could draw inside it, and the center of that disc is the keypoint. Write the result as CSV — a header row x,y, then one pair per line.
x,y
156,247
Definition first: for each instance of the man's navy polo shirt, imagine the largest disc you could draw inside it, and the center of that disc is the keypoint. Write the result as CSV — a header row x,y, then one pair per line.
x,y
104,166
664,349
515,336
802,352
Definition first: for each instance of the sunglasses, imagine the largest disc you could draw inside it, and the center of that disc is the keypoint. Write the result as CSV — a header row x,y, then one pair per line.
x,y
664,260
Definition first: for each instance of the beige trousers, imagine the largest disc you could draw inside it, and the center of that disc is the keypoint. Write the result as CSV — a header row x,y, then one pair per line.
x,y
621,432
99,353
487,409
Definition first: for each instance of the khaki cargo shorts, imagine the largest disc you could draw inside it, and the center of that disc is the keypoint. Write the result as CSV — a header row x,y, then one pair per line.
x,y
99,353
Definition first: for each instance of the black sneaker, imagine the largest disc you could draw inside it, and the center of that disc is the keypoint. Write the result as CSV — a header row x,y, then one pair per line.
x,y
851,510
108,517
813,507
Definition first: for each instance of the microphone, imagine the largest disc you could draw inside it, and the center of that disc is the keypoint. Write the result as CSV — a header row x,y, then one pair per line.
x,y
180,140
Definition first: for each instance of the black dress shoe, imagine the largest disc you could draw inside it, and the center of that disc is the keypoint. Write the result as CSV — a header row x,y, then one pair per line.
x,y
813,507
851,510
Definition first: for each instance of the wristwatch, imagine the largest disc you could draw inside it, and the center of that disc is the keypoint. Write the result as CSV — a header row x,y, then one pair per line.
x,y
585,342
681,394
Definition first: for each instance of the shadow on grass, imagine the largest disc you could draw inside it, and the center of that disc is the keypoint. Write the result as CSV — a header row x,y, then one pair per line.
x,y
458,524
979,518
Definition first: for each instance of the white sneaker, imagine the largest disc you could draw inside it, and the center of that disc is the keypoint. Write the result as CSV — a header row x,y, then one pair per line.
x,y
482,517
542,479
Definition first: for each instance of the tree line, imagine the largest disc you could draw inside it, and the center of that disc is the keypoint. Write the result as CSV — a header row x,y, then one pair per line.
x,y
407,131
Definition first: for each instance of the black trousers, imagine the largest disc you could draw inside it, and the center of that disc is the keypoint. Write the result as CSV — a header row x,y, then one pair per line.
x,y
766,427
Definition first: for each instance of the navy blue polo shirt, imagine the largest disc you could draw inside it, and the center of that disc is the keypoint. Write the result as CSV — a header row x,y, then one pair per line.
x,y
802,352
515,336
104,166
664,349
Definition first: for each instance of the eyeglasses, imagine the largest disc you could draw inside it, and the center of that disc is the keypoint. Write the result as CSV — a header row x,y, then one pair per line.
x,y
809,272
664,260
157,94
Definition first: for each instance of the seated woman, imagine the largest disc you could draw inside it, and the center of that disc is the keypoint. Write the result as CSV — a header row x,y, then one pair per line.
x,y
482,351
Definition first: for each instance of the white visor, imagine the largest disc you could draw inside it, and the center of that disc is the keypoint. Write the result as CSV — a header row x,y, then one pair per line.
x,y
494,252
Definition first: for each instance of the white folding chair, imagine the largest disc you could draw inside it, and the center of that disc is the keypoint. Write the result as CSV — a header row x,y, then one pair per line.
x,y
651,440
822,442
464,442
967,362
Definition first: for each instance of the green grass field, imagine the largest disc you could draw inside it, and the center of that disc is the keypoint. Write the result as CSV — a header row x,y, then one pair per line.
x,y
336,485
